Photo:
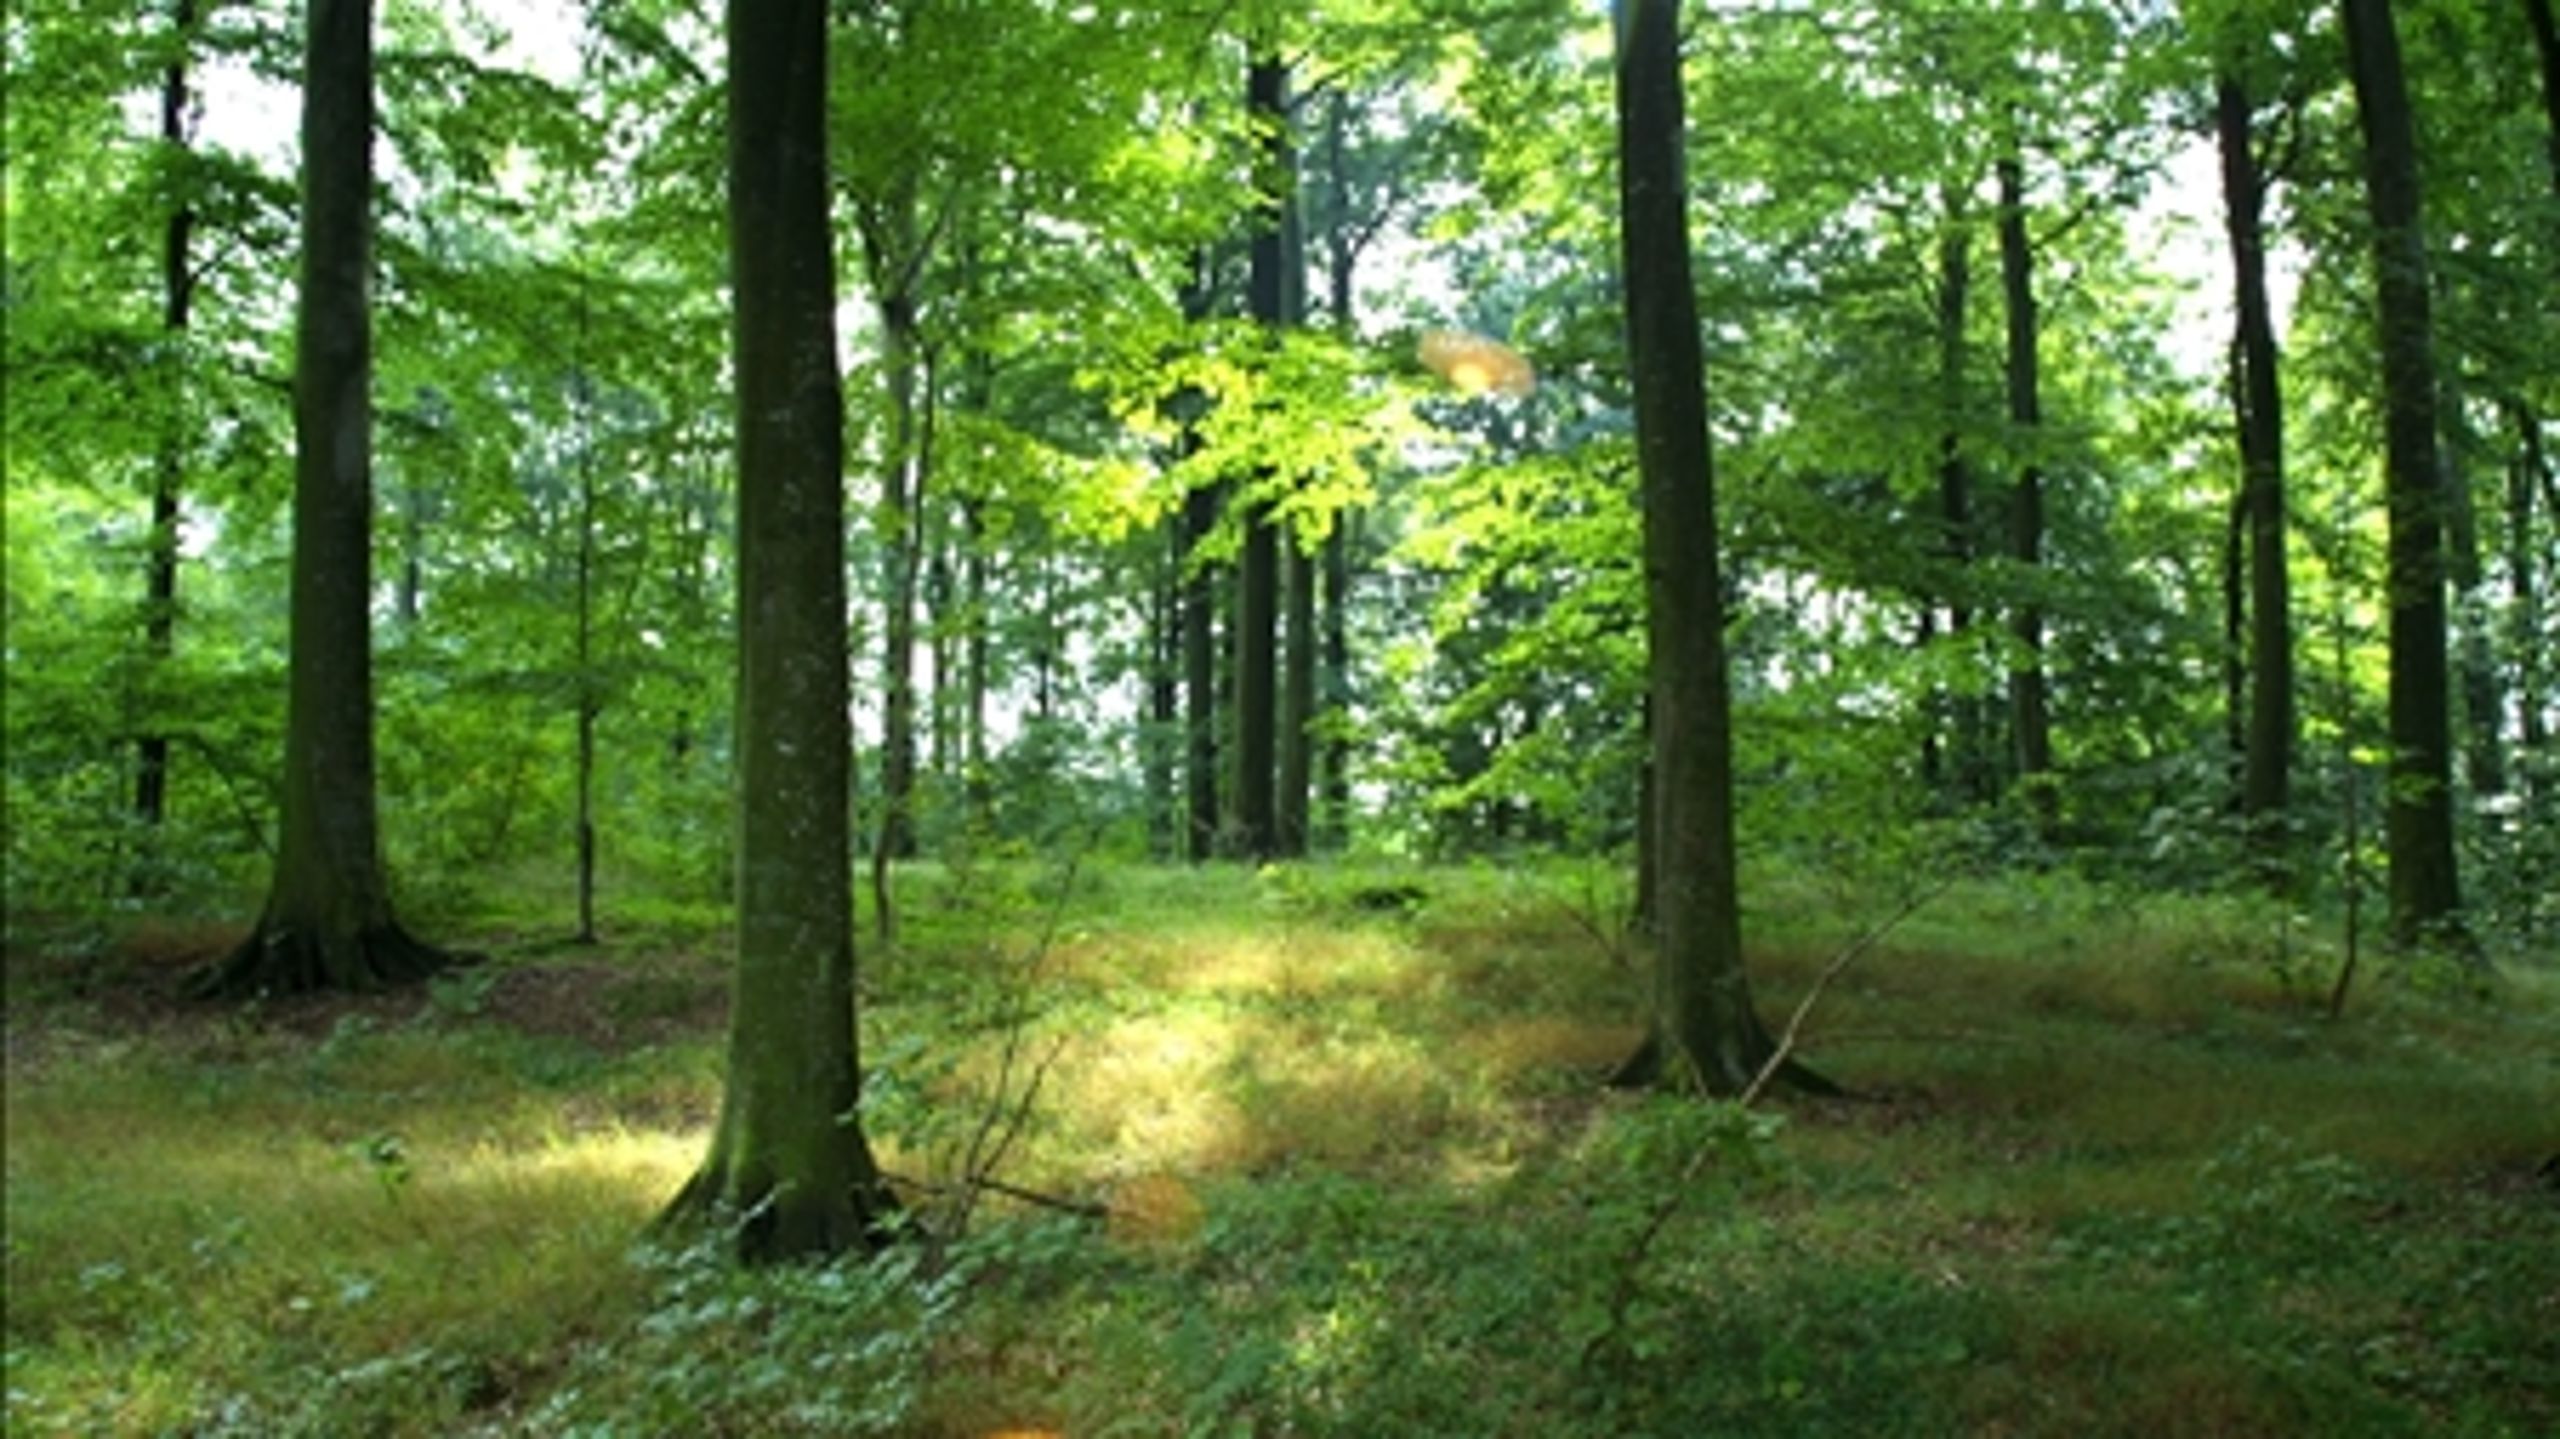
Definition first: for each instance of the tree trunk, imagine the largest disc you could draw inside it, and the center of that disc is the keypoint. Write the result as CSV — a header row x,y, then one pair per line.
x,y
2030,727
1955,488
789,1165
901,526
1200,673
587,696
1258,578
2258,400
2418,814
1705,1025
328,920
2484,706
2524,591
1298,700
1342,259
177,305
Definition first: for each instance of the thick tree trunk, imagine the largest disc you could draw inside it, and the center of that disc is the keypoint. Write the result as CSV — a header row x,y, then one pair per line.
x,y
1705,1025
2030,727
2418,815
328,920
177,307
789,1165
2266,778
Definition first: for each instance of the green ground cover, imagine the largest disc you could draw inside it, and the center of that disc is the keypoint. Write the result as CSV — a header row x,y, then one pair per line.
x,y
2108,1170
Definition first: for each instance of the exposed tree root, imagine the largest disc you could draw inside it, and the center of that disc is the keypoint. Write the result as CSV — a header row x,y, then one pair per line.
x,y
280,959
771,1224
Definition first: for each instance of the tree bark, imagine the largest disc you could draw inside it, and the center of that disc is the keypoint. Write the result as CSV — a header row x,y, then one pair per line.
x,y
2524,590
1705,1025
328,918
789,1166
2418,815
1971,783
2484,705
177,306
2030,726
2266,779
1258,570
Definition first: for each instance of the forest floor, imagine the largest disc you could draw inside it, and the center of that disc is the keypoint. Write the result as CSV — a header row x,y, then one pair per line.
x,y
1329,1154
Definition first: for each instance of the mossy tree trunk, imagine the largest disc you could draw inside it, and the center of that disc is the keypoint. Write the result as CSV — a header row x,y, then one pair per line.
x,y
328,922
1704,1020
789,1164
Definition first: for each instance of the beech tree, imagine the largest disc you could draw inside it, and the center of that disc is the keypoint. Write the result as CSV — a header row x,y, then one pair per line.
x,y
789,1162
328,920
2418,816
1704,1022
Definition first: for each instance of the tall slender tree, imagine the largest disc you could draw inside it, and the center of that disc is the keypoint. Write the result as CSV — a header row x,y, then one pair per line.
x,y
2418,817
1258,568
2030,722
328,920
177,306
1704,1022
789,1164
2259,402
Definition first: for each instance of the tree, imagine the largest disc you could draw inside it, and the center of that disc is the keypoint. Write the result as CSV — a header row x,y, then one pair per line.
x,y
2418,817
2030,722
1704,1022
328,920
1258,569
789,1162
2258,404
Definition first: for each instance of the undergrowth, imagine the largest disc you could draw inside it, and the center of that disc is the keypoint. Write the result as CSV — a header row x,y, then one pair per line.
x,y
1315,1150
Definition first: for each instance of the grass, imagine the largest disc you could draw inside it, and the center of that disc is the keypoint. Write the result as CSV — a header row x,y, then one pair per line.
x,y
2110,1172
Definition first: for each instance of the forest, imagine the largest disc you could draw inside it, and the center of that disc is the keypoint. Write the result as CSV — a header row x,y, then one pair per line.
x,y
1040,717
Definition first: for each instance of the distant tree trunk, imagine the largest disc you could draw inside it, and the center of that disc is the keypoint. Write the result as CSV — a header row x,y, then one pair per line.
x,y
328,922
2484,707
2418,815
1298,699
789,1166
2235,639
587,691
177,306
1258,578
2524,592
1342,260
908,369
1704,1020
1198,582
1200,673
2259,401
973,727
1955,485
2030,726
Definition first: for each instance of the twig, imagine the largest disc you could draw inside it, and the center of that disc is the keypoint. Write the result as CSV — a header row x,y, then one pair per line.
x,y
1786,1045
1622,1295
1082,1208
